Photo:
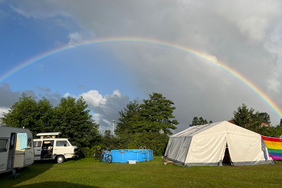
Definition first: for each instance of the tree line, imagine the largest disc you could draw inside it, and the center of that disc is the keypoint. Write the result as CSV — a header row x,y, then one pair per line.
x,y
146,124
250,119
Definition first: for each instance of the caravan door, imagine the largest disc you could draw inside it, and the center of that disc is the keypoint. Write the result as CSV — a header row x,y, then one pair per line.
x,y
29,153
11,152
37,149
21,145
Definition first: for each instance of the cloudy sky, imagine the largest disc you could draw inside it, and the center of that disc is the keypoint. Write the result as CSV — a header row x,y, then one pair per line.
x,y
41,53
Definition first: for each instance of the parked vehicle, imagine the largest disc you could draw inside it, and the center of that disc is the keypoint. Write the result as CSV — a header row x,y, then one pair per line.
x,y
48,147
16,149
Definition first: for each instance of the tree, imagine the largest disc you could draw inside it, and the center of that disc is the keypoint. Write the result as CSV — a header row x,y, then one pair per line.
x,y
195,121
199,121
36,116
156,115
250,119
128,117
72,118
264,117
143,124
270,131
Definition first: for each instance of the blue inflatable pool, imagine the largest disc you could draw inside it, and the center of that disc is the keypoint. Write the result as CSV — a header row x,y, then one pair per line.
x,y
125,155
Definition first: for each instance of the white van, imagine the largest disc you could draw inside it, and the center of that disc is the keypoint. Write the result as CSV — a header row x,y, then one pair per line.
x,y
48,147
16,149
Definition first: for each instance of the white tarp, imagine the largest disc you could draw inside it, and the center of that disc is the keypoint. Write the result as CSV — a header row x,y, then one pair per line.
x,y
205,145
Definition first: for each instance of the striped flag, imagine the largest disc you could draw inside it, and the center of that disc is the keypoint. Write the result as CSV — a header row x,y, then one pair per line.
x,y
274,146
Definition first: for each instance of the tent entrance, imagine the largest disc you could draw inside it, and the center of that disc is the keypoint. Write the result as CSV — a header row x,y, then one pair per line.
x,y
226,159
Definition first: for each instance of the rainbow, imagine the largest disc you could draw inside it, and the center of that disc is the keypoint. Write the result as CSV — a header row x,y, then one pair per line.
x,y
274,147
184,49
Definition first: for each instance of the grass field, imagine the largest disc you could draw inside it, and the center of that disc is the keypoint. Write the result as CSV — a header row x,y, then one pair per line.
x,y
90,173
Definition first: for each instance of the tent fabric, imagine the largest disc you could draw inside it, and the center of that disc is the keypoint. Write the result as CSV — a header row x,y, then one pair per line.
x,y
205,145
274,146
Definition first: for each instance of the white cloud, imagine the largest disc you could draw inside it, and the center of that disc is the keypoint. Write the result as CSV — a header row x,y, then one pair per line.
x,y
93,98
66,95
252,18
274,85
74,38
105,108
3,110
79,37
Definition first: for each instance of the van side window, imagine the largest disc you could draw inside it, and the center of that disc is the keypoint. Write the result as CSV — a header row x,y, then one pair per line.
x,y
3,145
37,143
62,143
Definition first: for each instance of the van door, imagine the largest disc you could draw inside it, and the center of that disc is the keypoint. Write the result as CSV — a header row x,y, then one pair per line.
x,y
63,148
37,149
47,149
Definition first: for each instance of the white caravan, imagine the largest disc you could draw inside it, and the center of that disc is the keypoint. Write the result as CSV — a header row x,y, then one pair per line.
x,y
16,149
48,147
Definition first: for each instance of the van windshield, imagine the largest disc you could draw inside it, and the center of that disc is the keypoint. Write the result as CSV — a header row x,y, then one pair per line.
x,y
71,142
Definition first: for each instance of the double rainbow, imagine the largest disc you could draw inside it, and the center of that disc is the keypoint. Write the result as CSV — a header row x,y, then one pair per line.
x,y
166,44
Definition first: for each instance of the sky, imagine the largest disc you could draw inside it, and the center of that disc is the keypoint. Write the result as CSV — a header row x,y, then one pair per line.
x,y
209,57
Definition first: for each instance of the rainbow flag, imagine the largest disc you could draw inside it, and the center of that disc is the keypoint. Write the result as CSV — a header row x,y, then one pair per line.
x,y
274,147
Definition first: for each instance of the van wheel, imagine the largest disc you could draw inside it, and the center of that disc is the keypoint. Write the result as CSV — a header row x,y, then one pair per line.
x,y
60,159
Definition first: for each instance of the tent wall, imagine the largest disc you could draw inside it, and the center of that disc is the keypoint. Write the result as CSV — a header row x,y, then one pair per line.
x,y
205,145
206,150
246,150
177,148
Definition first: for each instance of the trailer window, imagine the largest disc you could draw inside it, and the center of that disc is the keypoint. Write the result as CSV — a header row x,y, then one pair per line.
x,y
37,143
3,145
62,143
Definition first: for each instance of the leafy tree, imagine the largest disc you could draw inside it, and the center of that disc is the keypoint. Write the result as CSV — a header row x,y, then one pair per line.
x,y
142,124
71,117
199,121
195,121
156,115
250,119
151,140
264,117
270,131
36,116
45,116
128,117
245,117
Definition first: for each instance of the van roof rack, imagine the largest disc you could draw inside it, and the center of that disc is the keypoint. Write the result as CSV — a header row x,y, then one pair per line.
x,y
48,135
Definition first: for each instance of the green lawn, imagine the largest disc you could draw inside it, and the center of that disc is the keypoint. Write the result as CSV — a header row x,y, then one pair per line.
x,y
91,173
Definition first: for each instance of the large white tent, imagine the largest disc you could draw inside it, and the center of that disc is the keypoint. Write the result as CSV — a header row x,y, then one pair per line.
x,y
207,145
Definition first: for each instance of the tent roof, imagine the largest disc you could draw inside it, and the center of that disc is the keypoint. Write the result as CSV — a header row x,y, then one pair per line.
x,y
205,129
191,131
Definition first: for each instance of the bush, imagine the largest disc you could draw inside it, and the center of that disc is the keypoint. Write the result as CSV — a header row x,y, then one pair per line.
x,y
151,140
89,152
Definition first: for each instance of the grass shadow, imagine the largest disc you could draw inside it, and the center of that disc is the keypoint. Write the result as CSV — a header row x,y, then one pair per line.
x,y
24,174
49,184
